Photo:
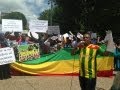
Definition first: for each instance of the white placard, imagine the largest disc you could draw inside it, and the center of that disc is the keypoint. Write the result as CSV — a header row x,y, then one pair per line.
x,y
6,55
110,42
53,29
38,26
12,25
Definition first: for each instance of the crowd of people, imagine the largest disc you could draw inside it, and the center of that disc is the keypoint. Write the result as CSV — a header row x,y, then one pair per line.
x,y
88,44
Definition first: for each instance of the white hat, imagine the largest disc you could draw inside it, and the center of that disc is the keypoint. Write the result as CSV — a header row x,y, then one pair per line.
x,y
60,37
35,35
65,35
79,35
54,37
71,37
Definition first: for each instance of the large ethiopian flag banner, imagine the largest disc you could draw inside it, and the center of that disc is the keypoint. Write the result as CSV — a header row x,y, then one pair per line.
x,y
62,63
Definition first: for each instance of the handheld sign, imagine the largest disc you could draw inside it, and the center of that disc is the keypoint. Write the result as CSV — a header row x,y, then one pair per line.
x,y
6,55
38,26
12,25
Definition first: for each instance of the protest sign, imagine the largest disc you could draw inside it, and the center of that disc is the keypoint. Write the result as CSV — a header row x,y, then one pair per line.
x,y
28,52
6,55
53,30
12,25
110,42
38,26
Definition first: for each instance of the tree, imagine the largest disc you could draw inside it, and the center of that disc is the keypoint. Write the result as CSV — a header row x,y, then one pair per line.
x,y
93,15
46,15
96,15
73,16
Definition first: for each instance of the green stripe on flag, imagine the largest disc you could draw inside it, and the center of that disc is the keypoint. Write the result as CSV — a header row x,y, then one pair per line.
x,y
63,54
90,63
83,62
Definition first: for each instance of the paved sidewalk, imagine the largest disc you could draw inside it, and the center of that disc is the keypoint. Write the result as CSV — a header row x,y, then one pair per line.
x,y
49,83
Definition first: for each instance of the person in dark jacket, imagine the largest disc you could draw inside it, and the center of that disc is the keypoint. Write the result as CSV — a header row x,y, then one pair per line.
x,y
4,69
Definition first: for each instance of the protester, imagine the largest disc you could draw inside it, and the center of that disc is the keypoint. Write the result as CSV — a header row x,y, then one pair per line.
x,y
10,36
116,82
18,37
117,56
4,69
23,41
88,63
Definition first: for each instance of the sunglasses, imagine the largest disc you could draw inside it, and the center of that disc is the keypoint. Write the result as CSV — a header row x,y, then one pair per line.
x,y
86,37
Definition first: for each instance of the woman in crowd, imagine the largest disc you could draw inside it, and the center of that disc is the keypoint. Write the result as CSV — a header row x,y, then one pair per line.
x,y
4,69
117,55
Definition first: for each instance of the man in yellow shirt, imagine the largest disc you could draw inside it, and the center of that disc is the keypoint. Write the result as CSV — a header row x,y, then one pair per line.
x,y
88,63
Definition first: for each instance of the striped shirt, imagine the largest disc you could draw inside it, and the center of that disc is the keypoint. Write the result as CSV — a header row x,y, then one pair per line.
x,y
88,62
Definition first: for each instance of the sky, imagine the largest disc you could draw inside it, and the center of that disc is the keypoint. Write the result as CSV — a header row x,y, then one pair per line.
x,y
30,8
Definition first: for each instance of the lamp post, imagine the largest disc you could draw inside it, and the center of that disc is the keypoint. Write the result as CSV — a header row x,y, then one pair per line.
x,y
51,11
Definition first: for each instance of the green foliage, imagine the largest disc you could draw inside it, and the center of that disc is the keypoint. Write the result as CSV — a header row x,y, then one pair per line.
x,y
44,15
77,15
96,15
53,13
